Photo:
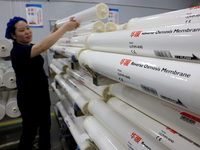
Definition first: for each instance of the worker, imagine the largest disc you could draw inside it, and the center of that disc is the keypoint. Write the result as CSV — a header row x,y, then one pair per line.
x,y
32,83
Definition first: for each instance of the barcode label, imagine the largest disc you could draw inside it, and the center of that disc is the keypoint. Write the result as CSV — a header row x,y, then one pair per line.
x,y
188,120
149,90
161,53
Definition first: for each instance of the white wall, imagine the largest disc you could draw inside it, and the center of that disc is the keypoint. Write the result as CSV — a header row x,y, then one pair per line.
x,y
58,9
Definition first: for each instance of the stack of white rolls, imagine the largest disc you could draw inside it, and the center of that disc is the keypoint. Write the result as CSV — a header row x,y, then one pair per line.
x,y
5,47
3,100
155,62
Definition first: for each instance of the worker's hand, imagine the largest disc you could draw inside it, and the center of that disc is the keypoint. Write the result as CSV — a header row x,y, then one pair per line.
x,y
71,25
54,29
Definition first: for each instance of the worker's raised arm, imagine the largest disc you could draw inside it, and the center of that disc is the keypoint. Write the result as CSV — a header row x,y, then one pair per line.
x,y
52,38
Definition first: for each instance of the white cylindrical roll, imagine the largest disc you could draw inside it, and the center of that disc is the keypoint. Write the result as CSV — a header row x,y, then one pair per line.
x,y
12,109
9,79
5,47
56,69
86,92
58,64
100,135
73,95
95,27
184,16
67,51
78,41
181,120
122,27
171,42
88,81
73,128
127,133
165,135
59,94
158,77
2,71
100,11
3,99
110,26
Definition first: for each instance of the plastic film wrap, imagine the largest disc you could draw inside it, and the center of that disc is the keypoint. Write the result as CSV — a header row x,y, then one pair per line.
x,y
170,42
84,145
122,27
73,95
157,77
164,134
12,109
9,79
100,11
56,69
2,71
5,47
184,16
88,81
166,113
122,128
58,64
100,135
3,100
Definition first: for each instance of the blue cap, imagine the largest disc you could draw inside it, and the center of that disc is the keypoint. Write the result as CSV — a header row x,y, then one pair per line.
x,y
11,24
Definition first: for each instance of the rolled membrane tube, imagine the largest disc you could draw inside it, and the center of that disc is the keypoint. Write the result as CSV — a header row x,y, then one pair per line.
x,y
110,26
74,95
173,81
9,79
122,27
78,41
56,69
58,64
67,51
76,132
127,133
157,130
181,120
5,47
101,136
12,109
88,81
100,11
179,42
183,16
95,27
3,100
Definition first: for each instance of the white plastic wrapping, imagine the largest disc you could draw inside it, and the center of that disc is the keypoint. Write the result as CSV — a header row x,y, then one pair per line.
x,y
181,120
122,26
87,80
56,69
173,81
78,41
110,26
67,51
3,100
172,42
127,133
75,131
95,27
58,92
86,92
58,64
163,134
100,11
184,16
12,109
101,136
5,47
9,79
1,76
73,94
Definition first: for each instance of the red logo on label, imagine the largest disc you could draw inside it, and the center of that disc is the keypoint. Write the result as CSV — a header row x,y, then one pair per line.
x,y
125,62
62,51
135,33
172,131
136,137
195,7
68,41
